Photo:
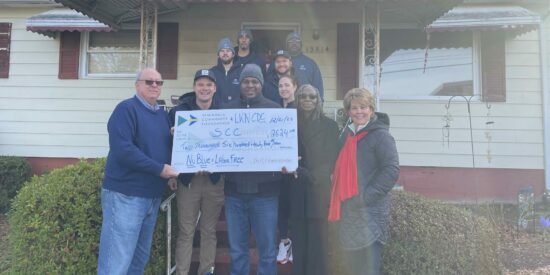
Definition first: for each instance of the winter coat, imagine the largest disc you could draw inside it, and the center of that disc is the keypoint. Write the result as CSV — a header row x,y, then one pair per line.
x,y
307,72
252,57
188,102
228,87
318,146
365,217
252,183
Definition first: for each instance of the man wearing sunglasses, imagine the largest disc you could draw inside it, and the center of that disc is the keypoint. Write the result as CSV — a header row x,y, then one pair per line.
x,y
135,179
306,69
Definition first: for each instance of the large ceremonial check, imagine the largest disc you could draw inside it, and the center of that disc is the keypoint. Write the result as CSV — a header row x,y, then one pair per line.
x,y
235,140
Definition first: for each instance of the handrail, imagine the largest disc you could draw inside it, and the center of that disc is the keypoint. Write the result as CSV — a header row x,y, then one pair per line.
x,y
166,206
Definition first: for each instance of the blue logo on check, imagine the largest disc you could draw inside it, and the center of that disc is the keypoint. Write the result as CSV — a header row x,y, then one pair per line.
x,y
191,119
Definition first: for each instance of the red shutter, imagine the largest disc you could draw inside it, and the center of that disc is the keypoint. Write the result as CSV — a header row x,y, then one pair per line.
x,y
493,67
5,39
167,50
69,55
347,56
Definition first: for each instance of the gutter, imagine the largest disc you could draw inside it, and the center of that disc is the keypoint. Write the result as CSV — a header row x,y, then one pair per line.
x,y
545,100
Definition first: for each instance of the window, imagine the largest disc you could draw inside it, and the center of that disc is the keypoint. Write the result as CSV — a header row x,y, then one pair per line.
x,y
5,39
110,53
451,66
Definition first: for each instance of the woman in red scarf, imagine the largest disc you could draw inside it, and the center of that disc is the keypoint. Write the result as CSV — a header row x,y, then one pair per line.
x,y
366,170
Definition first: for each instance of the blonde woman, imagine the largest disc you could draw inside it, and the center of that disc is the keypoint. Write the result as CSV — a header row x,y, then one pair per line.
x,y
366,170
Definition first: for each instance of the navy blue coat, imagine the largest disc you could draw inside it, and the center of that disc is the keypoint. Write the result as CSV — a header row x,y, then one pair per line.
x,y
307,72
227,85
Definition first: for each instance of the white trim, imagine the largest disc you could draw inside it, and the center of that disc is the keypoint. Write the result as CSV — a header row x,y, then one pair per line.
x,y
83,68
271,26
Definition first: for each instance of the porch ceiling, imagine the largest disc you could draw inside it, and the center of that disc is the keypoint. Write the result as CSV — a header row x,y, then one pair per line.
x,y
115,12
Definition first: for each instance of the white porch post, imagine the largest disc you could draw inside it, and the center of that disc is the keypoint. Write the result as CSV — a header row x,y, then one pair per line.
x,y
148,35
371,43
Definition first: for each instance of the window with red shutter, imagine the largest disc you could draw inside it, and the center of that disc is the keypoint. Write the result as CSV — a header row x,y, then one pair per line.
x,y
493,67
5,41
69,53
167,50
347,56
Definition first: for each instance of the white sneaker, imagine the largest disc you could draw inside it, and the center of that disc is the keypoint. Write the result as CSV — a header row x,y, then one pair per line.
x,y
285,252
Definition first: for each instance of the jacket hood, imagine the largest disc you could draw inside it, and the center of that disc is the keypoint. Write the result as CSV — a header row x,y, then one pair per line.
x,y
379,121
188,98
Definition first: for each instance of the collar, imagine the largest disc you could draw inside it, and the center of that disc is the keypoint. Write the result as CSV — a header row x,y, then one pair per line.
x,y
147,105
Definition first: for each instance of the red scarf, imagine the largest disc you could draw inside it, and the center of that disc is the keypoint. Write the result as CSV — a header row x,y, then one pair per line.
x,y
344,177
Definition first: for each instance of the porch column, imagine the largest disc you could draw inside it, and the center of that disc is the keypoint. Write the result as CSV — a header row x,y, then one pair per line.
x,y
148,35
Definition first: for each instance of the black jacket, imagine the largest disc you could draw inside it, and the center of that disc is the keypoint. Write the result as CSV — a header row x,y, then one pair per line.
x,y
252,183
189,103
318,147
228,87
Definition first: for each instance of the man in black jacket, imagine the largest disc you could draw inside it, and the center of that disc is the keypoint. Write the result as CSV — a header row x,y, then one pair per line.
x,y
251,198
227,73
200,192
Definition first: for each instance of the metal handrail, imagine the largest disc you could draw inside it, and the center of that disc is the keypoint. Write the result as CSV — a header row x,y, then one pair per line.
x,y
166,206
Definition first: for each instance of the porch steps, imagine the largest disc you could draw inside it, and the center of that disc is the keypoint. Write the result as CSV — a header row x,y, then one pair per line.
x,y
223,259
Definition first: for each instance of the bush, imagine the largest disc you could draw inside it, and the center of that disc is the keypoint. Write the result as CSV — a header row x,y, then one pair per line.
x,y
430,237
15,171
56,221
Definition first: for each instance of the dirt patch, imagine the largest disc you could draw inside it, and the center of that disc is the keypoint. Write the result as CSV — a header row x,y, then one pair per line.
x,y
524,252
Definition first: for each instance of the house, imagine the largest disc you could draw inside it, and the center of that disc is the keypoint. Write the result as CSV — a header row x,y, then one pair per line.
x,y
465,83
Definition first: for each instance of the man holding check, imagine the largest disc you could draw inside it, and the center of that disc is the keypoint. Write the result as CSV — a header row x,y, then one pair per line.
x,y
251,198
200,192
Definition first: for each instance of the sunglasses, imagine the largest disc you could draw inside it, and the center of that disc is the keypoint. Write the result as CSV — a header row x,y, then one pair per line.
x,y
151,82
306,96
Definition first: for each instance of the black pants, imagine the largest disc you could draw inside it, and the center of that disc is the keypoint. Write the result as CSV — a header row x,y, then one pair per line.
x,y
365,261
309,246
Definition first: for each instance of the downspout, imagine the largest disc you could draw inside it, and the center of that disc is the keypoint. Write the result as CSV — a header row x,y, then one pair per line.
x,y
545,101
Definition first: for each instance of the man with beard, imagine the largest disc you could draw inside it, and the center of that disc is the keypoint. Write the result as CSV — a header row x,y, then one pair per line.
x,y
251,198
227,73
245,55
306,69
282,64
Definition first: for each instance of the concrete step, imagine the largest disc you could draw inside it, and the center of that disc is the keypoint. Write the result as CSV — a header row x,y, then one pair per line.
x,y
223,263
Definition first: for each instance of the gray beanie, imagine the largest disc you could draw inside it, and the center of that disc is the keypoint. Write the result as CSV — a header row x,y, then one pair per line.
x,y
252,70
245,32
225,43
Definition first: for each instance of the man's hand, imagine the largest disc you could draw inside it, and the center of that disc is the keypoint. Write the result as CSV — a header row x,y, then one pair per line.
x,y
168,172
173,184
172,130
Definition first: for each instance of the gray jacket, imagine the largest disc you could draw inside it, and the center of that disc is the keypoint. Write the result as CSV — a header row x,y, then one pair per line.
x,y
365,217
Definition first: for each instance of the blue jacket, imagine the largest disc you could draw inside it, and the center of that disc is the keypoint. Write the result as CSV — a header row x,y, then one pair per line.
x,y
227,84
188,103
307,72
252,183
271,86
140,144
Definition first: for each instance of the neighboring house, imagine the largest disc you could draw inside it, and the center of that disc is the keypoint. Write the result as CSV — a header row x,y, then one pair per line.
x,y
59,82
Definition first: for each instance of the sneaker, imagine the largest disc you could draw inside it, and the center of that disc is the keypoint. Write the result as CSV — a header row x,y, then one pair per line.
x,y
285,252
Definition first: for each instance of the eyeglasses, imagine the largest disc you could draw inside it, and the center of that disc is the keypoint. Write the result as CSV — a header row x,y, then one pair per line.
x,y
306,96
151,82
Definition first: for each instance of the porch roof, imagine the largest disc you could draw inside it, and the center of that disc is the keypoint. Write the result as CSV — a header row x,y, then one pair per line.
x,y
115,12
483,18
63,19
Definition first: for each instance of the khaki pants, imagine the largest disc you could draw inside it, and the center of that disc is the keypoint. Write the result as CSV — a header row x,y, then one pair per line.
x,y
207,198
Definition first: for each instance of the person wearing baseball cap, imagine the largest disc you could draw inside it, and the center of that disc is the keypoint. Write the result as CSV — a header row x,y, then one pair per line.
x,y
199,192
282,65
244,53
306,69
227,73
251,198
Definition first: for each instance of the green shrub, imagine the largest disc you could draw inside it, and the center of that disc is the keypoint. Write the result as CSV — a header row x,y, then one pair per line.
x,y
56,221
14,172
430,237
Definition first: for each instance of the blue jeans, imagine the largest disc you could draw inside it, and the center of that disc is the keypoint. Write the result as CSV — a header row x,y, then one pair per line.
x,y
260,214
126,233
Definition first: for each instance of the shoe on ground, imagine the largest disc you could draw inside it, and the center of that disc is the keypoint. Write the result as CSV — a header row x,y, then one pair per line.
x,y
285,252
